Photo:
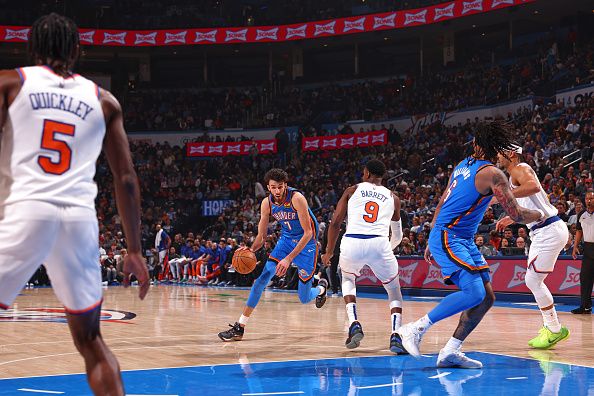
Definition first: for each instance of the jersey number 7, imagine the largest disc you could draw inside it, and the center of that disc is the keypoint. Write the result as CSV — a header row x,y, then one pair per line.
x,y
49,142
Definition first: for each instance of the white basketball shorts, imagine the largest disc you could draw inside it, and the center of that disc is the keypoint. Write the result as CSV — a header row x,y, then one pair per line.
x,y
63,238
547,243
355,253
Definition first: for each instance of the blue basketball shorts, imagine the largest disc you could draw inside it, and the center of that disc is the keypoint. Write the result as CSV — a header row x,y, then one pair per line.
x,y
306,260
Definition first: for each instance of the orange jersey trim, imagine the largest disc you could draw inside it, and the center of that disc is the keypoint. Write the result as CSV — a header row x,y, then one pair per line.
x,y
457,259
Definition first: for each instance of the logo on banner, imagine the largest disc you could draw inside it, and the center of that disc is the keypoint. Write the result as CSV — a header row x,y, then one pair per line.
x,y
433,275
296,32
22,34
500,2
389,21
271,34
344,142
406,273
234,149
215,149
312,144
240,35
175,37
57,315
150,38
447,11
367,274
327,28
493,268
119,38
357,24
419,17
572,278
518,277
377,138
363,139
267,147
197,149
476,5
87,36
206,36
329,143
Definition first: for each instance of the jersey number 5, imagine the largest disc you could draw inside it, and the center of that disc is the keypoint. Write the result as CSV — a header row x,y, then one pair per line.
x,y
49,142
372,210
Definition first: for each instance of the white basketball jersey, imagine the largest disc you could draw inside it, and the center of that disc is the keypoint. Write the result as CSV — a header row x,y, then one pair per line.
x,y
370,210
51,140
540,200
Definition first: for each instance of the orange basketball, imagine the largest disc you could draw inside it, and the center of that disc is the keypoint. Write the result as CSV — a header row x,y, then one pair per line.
x,y
244,261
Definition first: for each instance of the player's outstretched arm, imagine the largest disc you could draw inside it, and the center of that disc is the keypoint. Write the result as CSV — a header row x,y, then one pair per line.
x,y
334,227
493,178
127,191
262,225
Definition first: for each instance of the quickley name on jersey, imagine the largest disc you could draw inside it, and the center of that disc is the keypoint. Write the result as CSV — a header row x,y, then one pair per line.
x,y
464,207
52,100
289,218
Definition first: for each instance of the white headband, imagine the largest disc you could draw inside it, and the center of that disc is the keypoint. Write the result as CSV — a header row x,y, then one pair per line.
x,y
516,149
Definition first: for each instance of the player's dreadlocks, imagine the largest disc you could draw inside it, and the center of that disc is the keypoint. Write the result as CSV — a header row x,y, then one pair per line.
x,y
493,138
53,41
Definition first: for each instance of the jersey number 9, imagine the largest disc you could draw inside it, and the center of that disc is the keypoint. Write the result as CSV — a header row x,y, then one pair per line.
x,y
372,210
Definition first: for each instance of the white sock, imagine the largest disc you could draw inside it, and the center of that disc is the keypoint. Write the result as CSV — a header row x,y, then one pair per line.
x,y
423,324
396,319
351,312
550,320
453,345
243,319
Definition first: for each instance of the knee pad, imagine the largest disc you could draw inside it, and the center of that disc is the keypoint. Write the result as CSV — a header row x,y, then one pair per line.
x,y
475,291
535,282
349,287
393,289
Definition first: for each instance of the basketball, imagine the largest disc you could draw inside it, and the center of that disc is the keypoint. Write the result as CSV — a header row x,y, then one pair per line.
x,y
244,261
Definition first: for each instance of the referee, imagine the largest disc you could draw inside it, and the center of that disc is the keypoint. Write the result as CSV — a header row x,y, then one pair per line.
x,y
585,229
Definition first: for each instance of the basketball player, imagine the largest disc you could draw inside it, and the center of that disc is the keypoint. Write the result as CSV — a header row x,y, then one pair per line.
x,y
53,125
372,210
456,220
548,239
297,244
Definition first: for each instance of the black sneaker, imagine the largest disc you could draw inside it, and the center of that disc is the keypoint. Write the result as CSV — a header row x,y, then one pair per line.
x,y
396,345
321,299
582,311
355,335
235,333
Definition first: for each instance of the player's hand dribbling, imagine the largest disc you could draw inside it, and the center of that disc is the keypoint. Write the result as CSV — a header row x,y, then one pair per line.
x,y
427,255
326,257
134,264
504,223
282,266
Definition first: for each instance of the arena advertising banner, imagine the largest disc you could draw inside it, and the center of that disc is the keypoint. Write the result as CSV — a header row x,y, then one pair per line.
x,y
507,275
261,34
222,149
215,207
573,96
338,142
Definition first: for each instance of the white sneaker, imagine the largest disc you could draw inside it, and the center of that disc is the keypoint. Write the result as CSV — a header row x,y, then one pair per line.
x,y
411,338
456,359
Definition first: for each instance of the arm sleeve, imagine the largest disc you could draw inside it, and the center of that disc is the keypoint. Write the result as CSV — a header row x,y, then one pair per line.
x,y
396,237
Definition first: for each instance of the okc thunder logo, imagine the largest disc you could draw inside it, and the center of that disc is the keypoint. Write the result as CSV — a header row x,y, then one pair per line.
x,y
56,315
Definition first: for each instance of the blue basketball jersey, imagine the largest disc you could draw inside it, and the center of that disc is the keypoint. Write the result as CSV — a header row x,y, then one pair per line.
x,y
288,217
464,207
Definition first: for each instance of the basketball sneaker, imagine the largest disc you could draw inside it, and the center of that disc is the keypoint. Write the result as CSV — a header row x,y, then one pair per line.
x,y
321,299
547,339
581,311
411,338
235,333
396,345
456,359
355,335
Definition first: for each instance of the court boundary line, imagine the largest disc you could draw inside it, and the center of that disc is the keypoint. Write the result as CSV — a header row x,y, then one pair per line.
x,y
536,360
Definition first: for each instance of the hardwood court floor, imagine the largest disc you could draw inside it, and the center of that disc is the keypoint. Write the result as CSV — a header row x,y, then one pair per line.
x,y
177,326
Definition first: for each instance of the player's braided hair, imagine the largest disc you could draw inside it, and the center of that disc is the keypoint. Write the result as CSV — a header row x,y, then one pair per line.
x,y
493,138
278,175
376,167
53,41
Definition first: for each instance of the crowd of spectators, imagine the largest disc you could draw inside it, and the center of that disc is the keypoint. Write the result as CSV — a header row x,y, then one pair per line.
x,y
478,82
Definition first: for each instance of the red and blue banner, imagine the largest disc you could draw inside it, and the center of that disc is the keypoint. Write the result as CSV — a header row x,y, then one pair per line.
x,y
222,149
279,33
339,142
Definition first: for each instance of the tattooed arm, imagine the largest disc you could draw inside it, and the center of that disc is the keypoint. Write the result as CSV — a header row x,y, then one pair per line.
x,y
493,179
